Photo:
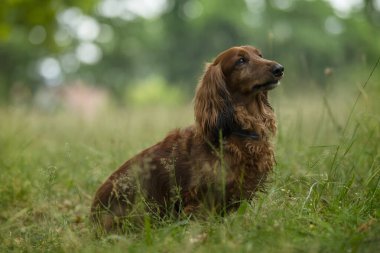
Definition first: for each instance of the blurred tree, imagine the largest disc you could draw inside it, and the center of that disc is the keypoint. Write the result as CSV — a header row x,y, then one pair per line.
x,y
111,43
27,29
371,12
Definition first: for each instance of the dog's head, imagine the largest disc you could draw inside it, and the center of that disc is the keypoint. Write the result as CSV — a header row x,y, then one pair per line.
x,y
236,74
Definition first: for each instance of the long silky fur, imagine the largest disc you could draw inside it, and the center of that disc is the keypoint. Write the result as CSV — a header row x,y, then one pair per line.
x,y
214,112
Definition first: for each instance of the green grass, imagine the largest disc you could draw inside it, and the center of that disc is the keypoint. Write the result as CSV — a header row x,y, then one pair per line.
x,y
322,197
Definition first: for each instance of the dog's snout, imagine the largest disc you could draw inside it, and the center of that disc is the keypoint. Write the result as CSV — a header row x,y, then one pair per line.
x,y
278,70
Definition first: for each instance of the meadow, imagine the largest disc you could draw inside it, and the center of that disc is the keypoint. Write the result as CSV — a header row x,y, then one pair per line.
x,y
323,195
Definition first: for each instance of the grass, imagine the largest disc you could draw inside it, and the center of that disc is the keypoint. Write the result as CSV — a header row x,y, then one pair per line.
x,y
322,197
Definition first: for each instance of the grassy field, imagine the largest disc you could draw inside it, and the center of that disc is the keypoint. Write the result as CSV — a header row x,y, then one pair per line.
x,y
322,197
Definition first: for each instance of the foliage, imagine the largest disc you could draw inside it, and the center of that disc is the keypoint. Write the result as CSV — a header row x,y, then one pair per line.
x,y
307,37
27,30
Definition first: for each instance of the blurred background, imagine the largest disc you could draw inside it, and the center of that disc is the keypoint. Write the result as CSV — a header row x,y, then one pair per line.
x,y
86,54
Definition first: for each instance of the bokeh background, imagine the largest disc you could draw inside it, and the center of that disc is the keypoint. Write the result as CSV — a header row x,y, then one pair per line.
x,y
84,54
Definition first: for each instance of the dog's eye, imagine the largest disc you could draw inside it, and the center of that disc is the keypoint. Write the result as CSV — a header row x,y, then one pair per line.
x,y
241,61
260,55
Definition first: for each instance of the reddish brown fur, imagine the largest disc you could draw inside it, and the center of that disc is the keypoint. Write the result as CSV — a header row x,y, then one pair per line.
x,y
230,97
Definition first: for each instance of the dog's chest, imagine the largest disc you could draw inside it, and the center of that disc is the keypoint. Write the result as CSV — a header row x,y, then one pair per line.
x,y
249,155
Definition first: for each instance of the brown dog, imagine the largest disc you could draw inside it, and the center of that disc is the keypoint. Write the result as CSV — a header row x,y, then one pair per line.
x,y
223,158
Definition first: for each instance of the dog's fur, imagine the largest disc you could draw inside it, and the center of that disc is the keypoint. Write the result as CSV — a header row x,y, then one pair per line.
x,y
223,158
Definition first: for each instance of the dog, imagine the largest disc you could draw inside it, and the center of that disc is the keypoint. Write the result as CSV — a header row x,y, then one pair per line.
x,y
225,157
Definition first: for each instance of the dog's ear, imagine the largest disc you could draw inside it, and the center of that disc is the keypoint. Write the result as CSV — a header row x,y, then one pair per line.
x,y
214,113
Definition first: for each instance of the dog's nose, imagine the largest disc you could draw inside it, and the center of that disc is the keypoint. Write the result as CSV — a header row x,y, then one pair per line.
x,y
278,70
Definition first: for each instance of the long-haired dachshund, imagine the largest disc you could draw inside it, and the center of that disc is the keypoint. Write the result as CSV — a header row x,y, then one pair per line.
x,y
221,159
